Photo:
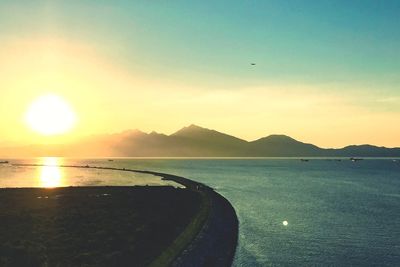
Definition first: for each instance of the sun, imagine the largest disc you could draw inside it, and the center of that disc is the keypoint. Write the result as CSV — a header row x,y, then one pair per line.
x,y
50,115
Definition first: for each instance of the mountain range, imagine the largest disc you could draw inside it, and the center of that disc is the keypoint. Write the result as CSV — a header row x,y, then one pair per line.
x,y
193,141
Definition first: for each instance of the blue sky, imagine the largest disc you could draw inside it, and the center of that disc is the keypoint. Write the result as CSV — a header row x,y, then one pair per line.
x,y
339,47
314,41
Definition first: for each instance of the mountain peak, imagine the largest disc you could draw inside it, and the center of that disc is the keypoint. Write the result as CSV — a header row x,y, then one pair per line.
x,y
278,138
196,141
194,127
199,133
190,129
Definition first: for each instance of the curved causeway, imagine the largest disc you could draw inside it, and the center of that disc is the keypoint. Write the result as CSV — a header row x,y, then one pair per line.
x,y
209,240
215,243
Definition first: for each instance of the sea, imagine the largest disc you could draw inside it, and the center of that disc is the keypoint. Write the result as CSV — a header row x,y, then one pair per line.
x,y
292,212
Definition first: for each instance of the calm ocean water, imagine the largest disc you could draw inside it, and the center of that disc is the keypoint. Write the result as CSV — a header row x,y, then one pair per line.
x,y
338,213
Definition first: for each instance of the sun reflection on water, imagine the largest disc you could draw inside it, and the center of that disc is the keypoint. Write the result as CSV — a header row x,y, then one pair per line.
x,y
50,173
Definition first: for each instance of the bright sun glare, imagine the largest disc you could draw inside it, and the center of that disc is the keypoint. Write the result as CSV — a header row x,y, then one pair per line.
x,y
51,175
50,115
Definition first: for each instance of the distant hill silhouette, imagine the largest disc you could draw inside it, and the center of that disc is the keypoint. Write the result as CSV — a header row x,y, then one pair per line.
x,y
194,141
282,146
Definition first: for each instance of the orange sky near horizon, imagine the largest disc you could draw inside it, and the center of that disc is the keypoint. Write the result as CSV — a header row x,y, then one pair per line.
x,y
325,73
108,98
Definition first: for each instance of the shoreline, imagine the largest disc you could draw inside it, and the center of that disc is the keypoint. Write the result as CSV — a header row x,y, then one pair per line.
x,y
216,242
212,236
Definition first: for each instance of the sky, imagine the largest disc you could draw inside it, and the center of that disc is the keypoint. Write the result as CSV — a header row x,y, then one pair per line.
x,y
327,72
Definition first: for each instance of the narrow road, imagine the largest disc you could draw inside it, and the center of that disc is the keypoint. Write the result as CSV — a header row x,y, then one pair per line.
x,y
216,243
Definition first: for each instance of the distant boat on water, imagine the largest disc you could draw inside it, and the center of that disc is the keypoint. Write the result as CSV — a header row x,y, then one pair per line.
x,y
355,159
4,162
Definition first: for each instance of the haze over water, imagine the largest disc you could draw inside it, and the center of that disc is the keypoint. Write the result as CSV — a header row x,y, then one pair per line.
x,y
337,212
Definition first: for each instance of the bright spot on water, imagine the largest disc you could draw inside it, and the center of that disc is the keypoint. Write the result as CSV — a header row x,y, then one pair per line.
x,y
50,175
285,223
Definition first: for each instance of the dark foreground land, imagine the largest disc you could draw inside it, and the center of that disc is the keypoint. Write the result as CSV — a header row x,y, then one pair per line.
x,y
118,226
92,226
216,239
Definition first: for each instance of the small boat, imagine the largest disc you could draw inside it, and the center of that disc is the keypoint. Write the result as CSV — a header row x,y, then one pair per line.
x,y
304,160
4,162
110,160
355,159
